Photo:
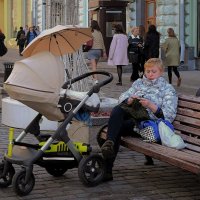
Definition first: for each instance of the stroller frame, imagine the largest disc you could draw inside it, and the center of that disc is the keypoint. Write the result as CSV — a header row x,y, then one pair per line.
x,y
23,181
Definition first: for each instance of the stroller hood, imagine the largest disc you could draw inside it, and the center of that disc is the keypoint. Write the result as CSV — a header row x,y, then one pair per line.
x,y
36,82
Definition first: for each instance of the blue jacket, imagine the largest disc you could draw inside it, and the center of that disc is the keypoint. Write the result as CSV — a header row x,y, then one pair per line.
x,y
158,91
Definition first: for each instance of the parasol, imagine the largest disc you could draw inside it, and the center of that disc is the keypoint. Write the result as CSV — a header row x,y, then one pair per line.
x,y
59,40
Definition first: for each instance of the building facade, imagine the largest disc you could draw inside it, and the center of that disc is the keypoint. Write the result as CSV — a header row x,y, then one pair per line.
x,y
42,13
182,15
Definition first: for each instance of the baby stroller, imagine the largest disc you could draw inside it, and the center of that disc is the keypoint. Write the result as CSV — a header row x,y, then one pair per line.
x,y
38,83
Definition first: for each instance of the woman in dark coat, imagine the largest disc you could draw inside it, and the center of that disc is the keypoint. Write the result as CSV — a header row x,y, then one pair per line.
x,y
152,43
3,49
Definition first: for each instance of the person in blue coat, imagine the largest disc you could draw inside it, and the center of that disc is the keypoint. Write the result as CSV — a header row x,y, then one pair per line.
x,y
30,35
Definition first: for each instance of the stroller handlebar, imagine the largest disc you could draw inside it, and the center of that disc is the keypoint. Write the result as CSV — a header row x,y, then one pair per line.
x,y
97,86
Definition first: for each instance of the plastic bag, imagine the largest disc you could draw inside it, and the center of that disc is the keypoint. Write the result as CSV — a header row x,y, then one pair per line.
x,y
169,138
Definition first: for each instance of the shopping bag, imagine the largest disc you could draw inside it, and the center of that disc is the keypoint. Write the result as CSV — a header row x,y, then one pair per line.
x,y
148,130
169,138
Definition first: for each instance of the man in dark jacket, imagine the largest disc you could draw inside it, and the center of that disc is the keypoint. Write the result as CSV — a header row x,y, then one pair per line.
x,y
21,38
134,49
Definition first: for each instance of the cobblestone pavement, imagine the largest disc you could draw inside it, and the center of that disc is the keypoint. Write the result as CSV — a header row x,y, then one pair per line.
x,y
132,179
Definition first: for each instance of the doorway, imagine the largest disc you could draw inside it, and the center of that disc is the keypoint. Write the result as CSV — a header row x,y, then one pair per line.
x,y
150,13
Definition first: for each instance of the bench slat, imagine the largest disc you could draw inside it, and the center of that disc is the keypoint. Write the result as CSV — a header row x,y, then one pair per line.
x,y
189,139
193,147
190,152
188,112
170,152
189,98
186,130
191,105
188,120
156,152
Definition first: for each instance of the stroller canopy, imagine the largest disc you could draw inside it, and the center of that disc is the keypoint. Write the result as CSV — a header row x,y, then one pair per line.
x,y
36,81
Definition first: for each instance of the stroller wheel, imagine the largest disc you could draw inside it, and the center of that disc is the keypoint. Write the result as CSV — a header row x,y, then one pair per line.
x,y
91,170
6,180
101,141
56,170
19,185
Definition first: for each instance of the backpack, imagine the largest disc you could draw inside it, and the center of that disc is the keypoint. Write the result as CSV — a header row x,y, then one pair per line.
x,y
22,36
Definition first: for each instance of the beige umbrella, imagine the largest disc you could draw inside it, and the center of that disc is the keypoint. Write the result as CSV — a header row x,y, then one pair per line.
x,y
59,40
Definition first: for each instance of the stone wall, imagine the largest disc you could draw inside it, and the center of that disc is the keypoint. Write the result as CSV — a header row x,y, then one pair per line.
x,y
167,15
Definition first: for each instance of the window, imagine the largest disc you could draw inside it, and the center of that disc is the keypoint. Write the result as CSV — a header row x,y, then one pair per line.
x,y
113,17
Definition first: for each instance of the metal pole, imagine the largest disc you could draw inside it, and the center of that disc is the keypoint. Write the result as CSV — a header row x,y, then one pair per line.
x,y
43,14
182,31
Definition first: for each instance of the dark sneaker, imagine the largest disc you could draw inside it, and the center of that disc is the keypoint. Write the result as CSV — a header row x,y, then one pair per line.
x,y
108,149
119,83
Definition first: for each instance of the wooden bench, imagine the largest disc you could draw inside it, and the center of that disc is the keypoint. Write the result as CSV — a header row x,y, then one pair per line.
x,y
187,125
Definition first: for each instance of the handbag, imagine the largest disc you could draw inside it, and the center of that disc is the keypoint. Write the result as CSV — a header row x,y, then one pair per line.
x,y
149,130
133,57
88,45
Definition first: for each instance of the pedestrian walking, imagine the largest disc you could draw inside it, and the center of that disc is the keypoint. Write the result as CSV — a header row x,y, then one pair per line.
x,y
134,49
152,43
21,38
26,29
30,35
118,51
171,48
98,48
3,48
37,30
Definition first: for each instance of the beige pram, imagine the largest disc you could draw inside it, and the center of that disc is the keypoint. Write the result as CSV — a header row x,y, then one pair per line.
x,y
38,82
